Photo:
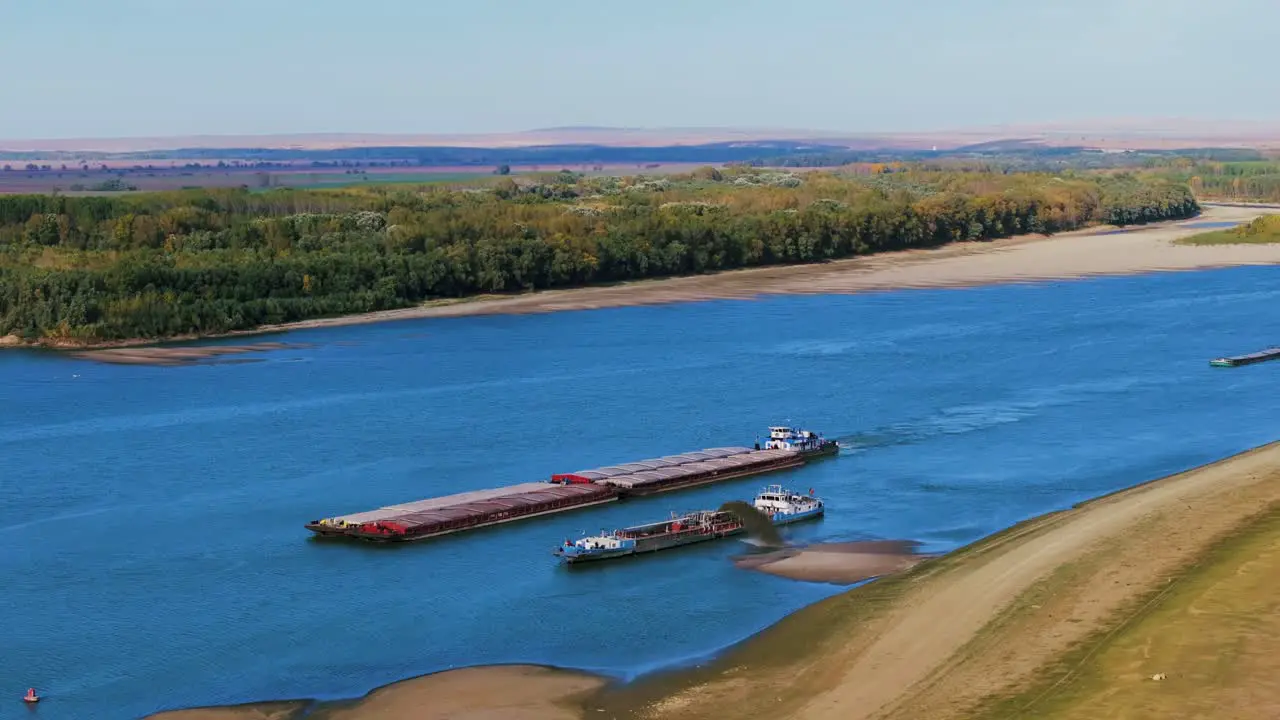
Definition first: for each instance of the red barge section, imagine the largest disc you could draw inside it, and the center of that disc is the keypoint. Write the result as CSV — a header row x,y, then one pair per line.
x,y
471,510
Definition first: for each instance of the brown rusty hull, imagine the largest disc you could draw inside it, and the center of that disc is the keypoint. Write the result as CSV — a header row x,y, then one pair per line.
x,y
434,532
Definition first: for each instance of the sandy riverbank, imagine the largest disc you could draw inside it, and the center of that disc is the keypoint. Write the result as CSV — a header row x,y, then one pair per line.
x,y
1029,258
283,710
836,563
515,692
939,641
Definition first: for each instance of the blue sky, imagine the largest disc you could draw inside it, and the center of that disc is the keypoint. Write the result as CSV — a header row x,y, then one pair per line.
x,y
101,68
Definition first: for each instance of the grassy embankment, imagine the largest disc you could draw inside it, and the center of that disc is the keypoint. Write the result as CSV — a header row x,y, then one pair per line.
x,y
1205,644
1263,230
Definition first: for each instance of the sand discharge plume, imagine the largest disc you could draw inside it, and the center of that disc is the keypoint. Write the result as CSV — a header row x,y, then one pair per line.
x,y
759,527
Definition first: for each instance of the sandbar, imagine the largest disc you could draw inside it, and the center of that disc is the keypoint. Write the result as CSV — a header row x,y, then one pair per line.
x,y
836,563
282,710
514,692
175,354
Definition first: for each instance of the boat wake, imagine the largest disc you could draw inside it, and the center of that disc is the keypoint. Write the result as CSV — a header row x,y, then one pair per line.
x,y
979,417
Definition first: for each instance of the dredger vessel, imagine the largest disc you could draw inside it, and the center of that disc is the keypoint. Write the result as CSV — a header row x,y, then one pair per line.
x,y
780,505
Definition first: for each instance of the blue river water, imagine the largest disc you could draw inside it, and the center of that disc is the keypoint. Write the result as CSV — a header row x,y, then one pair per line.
x,y
151,518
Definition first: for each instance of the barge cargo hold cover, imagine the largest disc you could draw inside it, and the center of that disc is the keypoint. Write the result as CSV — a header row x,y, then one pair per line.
x,y
468,511
674,472
1251,358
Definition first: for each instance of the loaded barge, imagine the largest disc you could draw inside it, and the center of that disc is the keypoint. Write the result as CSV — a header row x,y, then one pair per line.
x,y
786,448
464,511
780,505
1251,358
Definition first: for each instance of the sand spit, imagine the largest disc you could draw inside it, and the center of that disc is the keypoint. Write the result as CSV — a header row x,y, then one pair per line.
x,y
836,563
285,710
176,355
518,692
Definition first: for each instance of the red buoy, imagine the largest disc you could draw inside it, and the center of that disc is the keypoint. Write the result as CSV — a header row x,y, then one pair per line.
x,y
31,696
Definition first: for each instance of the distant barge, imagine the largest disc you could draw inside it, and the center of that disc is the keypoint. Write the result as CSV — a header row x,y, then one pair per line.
x,y
1236,360
433,517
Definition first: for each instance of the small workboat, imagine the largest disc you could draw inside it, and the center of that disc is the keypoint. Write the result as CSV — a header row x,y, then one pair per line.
x,y
31,696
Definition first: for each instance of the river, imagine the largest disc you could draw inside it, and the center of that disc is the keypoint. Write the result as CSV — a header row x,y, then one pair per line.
x,y
151,517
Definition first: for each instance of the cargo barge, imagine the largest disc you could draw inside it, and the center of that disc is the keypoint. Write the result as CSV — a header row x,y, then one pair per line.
x,y
1251,358
464,511
786,448
781,506
676,472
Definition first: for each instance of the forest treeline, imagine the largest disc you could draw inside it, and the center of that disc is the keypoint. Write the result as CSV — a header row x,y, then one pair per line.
x,y
203,262
1253,181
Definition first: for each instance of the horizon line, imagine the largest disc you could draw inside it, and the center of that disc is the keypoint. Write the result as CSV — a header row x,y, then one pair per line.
x,y
1163,128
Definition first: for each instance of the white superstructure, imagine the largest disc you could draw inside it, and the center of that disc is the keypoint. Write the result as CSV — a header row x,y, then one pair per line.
x,y
783,506
782,437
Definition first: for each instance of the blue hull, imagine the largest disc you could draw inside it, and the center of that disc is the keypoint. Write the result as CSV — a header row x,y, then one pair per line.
x,y
799,517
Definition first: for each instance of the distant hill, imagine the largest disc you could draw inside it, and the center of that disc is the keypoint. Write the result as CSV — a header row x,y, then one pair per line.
x,y
1161,134
599,136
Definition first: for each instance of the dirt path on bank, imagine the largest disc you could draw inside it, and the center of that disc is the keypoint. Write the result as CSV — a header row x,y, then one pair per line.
x,y
989,619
